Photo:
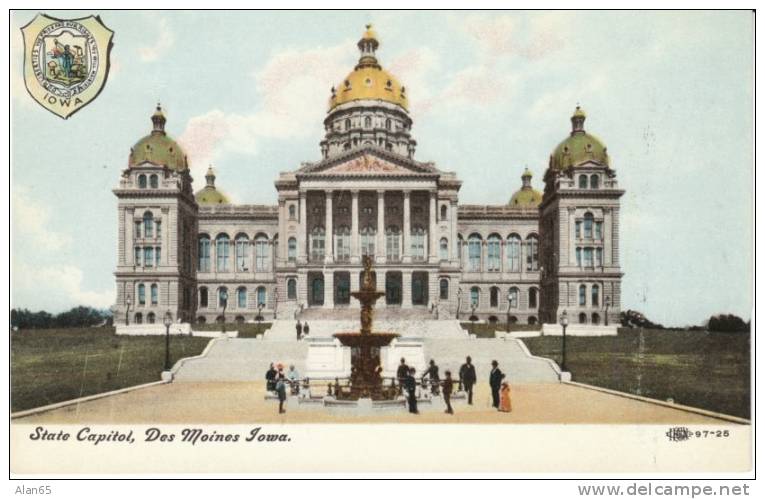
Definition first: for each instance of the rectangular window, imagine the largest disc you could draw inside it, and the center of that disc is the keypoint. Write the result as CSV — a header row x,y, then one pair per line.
x,y
599,230
579,257
292,250
393,247
148,227
474,255
588,257
418,246
158,227
154,294
138,230
262,260
599,257
204,255
582,295
532,254
494,256
157,255
137,262
141,294
579,230
368,244
221,250
148,256
343,245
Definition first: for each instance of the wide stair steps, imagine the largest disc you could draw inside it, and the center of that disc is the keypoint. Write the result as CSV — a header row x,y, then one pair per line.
x,y
284,330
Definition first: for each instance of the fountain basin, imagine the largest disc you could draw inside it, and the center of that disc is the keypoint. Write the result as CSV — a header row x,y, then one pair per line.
x,y
358,340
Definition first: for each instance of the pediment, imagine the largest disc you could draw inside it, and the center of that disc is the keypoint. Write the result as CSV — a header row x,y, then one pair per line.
x,y
369,163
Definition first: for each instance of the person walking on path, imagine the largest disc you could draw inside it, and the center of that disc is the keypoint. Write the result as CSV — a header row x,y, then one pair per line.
x,y
306,329
401,373
447,391
504,398
468,378
271,378
410,383
495,381
299,330
432,373
281,390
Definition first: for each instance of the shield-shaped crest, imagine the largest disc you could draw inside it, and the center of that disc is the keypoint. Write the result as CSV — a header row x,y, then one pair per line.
x,y
66,61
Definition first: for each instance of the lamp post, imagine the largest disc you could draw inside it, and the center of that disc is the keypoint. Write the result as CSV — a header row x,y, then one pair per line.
x,y
459,302
509,306
224,299
168,320
564,324
128,302
608,304
259,318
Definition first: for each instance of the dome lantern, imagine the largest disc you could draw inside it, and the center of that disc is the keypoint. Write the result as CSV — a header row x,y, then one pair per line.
x,y
210,177
159,120
368,45
577,120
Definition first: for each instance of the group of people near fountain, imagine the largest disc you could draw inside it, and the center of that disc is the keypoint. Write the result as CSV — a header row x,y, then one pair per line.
x,y
500,389
277,382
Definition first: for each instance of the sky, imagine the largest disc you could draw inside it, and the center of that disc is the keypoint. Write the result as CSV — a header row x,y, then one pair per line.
x,y
669,93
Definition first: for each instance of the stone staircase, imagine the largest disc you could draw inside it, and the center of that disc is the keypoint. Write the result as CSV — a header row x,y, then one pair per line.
x,y
352,313
284,330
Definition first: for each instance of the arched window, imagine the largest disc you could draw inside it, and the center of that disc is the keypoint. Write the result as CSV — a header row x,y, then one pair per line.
x,y
368,235
444,212
443,249
142,181
203,297
222,296
292,249
443,289
242,252
594,182
154,182
582,295
141,294
596,318
595,295
138,318
221,253
582,181
474,253
154,294
343,243
494,297
532,252
418,243
367,122
291,289
317,243
493,252
204,254
582,318
387,124
148,225
262,254
532,320
241,297
533,297
292,212
150,318
475,296
588,223
202,319
514,253
261,296
514,293
393,243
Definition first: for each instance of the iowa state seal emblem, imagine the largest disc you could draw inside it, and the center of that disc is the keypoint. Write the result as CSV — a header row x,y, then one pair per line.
x,y
66,61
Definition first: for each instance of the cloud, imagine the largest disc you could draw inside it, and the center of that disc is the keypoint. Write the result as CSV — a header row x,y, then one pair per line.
x,y
31,220
292,88
165,41
499,36
51,287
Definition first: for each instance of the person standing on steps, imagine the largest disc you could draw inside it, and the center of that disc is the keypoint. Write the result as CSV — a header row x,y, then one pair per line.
x,y
401,373
468,378
495,381
298,330
447,391
306,329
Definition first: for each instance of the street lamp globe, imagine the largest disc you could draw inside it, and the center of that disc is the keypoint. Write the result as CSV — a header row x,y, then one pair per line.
x,y
168,320
564,319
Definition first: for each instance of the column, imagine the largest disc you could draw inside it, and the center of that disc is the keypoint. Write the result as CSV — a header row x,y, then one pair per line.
x,y
406,289
302,249
329,289
282,232
355,250
455,240
407,229
607,238
380,249
432,232
329,237
129,235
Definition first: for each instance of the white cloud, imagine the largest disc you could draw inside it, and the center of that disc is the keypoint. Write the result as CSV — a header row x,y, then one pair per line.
x,y
31,221
165,41
51,287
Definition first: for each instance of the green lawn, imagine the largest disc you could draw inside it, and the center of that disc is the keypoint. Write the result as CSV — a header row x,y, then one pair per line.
x,y
53,365
696,368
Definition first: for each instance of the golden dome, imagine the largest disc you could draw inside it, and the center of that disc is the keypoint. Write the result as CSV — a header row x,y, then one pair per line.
x,y
527,196
368,80
158,148
210,195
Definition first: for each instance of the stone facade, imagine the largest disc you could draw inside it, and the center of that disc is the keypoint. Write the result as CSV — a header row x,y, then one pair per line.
x,y
524,261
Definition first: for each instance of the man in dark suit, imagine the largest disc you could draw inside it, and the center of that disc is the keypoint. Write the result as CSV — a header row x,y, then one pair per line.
x,y
495,381
401,373
410,384
468,378
298,330
432,373
306,329
447,391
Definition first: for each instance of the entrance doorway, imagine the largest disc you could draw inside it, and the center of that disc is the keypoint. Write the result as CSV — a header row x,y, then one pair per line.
x,y
419,288
316,290
342,288
393,288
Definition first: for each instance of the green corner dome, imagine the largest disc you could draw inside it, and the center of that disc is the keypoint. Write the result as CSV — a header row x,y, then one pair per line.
x,y
158,148
210,195
579,147
527,196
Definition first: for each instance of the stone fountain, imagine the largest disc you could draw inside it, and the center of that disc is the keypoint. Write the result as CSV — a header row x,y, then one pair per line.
x,y
366,380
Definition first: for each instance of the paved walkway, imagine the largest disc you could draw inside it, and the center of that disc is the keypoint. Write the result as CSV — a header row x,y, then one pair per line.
x,y
243,403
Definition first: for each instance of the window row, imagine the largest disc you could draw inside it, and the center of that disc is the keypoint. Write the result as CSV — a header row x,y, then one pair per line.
x,y
494,253
589,257
150,181
148,227
147,256
223,298
589,181
589,228
367,236
241,252
368,123
513,296
153,294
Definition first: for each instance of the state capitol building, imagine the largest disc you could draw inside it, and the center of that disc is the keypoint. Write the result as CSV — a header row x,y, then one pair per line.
x,y
524,261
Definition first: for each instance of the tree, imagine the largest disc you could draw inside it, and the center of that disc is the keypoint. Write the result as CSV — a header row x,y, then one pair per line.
x,y
75,317
633,318
728,323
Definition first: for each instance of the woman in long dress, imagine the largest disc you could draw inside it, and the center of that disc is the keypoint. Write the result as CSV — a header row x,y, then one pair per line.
x,y
504,397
